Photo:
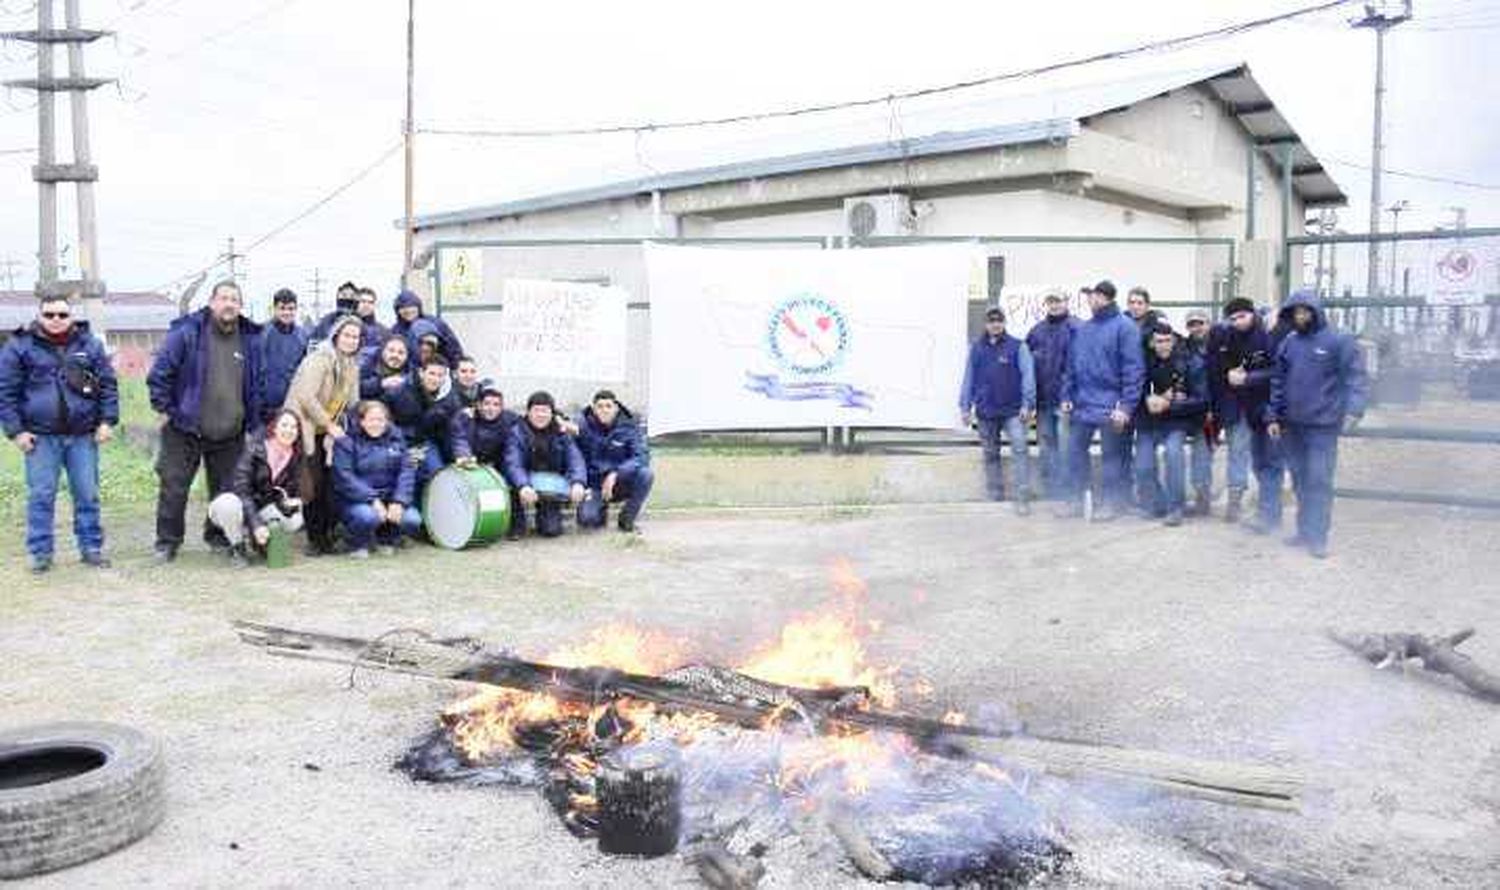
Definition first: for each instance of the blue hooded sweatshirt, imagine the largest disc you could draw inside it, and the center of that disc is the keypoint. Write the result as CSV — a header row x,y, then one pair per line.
x,y
561,457
1106,367
617,448
282,351
50,389
1319,377
176,378
451,349
366,468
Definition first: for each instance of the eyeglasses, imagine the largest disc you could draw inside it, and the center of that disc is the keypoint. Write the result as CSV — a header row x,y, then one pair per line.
x,y
51,315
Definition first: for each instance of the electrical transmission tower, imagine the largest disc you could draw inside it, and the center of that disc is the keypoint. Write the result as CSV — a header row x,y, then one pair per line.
x,y
49,172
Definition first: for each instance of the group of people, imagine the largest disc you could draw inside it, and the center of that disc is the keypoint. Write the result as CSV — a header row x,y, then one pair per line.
x,y
1162,402
335,429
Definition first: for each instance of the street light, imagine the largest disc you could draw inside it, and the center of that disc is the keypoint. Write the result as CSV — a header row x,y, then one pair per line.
x,y
1396,210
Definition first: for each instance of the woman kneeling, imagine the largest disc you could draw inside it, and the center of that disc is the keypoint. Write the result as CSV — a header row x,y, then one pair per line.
x,y
265,490
373,483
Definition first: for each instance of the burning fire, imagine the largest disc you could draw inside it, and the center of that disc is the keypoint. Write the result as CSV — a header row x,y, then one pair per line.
x,y
824,649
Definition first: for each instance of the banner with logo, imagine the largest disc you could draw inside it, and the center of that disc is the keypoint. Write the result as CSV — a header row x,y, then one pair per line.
x,y
775,339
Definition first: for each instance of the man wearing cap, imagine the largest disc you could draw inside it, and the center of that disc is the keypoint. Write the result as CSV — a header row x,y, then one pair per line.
x,y
1050,341
1106,372
999,395
283,343
1241,354
1203,439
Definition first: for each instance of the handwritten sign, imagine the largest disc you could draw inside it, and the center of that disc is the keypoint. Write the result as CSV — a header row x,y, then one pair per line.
x,y
1025,306
559,330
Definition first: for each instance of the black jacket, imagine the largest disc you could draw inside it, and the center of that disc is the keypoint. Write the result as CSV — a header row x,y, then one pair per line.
x,y
254,485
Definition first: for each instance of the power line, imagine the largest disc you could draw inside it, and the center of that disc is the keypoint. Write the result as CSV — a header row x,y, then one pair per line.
x,y
299,217
1139,49
1425,177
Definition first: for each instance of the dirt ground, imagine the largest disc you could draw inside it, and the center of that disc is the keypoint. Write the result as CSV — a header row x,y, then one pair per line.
x,y
1202,640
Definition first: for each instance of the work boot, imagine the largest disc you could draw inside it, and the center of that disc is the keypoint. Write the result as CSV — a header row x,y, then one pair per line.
x,y
1201,500
238,558
1232,507
95,559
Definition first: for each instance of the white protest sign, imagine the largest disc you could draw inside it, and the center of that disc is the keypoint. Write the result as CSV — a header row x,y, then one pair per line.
x,y
559,330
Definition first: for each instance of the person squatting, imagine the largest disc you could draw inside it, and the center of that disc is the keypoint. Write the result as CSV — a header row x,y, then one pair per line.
x,y
335,430
1160,404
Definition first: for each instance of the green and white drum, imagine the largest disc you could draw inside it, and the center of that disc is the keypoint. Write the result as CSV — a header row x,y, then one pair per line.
x,y
466,506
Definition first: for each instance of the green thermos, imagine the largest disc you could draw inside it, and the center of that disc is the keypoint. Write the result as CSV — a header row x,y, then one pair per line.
x,y
278,547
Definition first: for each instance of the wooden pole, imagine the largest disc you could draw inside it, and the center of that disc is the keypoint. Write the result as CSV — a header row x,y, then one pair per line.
x,y
409,137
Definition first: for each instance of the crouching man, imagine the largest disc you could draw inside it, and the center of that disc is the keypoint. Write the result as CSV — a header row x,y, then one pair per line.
x,y
1175,402
618,462
538,446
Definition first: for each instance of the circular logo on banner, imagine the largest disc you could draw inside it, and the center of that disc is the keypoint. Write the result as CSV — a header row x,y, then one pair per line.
x,y
807,334
1457,265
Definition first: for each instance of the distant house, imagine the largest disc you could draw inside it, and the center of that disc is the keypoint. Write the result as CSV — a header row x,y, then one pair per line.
x,y
136,323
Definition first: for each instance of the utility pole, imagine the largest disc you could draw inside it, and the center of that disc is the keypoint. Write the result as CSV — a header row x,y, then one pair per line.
x,y
317,293
233,259
48,172
409,137
1396,210
10,266
1380,23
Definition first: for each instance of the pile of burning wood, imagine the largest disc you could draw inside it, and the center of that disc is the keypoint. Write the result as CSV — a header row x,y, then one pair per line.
x,y
652,757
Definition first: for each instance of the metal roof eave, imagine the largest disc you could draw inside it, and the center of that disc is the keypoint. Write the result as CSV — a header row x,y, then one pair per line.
x,y
1268,128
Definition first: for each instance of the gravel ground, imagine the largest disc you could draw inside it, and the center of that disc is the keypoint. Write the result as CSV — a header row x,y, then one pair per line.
x,y
1201,640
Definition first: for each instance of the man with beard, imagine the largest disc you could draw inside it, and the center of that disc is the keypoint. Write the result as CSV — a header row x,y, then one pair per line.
x,y
207,382
1241,356
1318,390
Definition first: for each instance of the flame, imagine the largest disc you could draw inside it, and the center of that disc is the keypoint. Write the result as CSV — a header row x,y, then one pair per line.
x,y
624,647
855,761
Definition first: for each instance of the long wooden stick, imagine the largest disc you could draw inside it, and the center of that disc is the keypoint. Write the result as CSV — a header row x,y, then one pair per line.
x,y
1437,654
416,653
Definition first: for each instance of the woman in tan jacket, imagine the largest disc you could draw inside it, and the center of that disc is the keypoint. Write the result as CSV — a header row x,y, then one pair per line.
x,y
326,384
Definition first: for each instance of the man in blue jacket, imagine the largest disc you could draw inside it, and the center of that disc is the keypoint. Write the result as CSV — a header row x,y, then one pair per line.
x,y
345,302
1174,403
999,395
283,344
207,382
58,403
618,462
1318,389
1050,342
1101,391
539,445
1241,356
409,311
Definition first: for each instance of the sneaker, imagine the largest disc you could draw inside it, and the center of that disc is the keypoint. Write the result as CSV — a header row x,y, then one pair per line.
x,y
238,559
386,549
96,559
1318,551
360,553
163,554
1174,518
41,564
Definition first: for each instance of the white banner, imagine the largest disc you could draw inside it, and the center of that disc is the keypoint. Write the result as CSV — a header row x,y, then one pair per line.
x,y
558,330
773,339
1025,305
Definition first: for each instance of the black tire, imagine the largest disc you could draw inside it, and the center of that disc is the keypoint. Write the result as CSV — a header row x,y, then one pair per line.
x,y
71,792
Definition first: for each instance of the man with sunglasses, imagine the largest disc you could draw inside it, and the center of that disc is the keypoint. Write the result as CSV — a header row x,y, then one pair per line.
x,y
58,403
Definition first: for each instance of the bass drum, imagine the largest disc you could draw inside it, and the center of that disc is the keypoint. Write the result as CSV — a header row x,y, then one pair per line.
x,y
466,506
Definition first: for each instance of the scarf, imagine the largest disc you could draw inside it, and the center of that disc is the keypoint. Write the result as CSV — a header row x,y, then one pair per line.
x,y
277,456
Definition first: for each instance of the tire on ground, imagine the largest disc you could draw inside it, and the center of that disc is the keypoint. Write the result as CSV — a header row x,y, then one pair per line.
x,y
49,825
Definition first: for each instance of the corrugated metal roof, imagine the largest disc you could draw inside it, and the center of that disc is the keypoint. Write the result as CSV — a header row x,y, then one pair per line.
x,y
1056,112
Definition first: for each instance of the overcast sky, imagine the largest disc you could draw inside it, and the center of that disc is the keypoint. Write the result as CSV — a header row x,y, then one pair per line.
x,y
233,117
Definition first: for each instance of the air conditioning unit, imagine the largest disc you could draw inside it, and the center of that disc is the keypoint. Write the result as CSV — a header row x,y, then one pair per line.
x,y
876,216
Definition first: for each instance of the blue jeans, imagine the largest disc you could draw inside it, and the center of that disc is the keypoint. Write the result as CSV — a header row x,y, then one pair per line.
x,y
1313,453
1250,447
1147,471
1201,460
1112,455
632,488
79,455
362,526
1052,450
990,429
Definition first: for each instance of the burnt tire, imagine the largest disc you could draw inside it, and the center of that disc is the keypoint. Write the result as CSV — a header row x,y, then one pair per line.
x,y
71,792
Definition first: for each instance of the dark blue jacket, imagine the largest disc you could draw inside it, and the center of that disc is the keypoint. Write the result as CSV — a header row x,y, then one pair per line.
x,y
566,457
1050,342
1181,372
1319,377
618,448
999,379
56,390
371,332
1251,350
425,419
365,469
1106,366
402,401
282,351
450,347
483,440
176,377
